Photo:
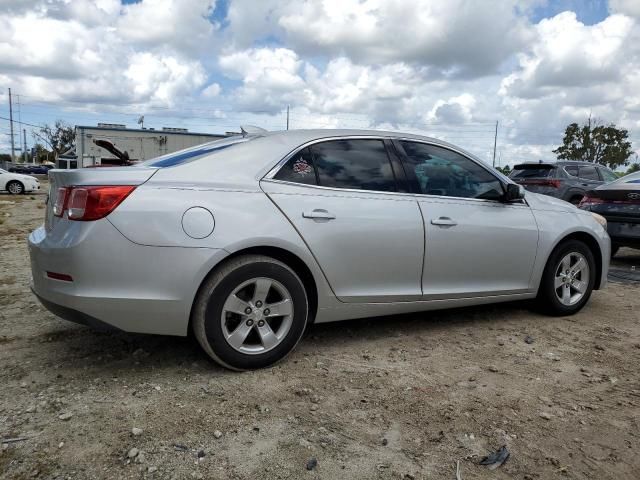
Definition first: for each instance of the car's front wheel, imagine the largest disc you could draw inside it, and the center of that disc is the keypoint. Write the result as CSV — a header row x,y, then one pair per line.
x,y
14,187
568,279
250,313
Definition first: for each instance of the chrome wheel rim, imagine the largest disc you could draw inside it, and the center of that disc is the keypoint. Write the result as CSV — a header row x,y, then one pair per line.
x,y
15,188
571,278
257,316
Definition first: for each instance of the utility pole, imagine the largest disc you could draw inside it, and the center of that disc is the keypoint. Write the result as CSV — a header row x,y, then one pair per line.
x,y
495,142
287,117
24,144
13,149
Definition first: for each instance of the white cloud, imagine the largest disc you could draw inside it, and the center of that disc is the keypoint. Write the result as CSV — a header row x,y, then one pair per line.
x,y
211,91
626,7
568,54
181,25
457,37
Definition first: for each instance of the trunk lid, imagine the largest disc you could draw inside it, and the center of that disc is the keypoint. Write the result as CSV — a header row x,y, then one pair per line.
x,y
91,176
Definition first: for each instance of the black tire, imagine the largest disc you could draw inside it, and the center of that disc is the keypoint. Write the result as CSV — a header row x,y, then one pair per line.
x,y
208,309
14,187
547,300
576,199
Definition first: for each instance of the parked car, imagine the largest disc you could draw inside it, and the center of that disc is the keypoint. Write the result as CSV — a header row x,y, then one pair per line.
x,y
247,240
31,169
16,183
619,203
566,180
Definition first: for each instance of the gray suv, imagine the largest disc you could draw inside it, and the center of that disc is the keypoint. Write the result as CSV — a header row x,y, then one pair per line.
x,y
567,180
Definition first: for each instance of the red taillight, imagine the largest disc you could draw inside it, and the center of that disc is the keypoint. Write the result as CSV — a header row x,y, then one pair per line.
x,y
91,203
589,201
544,183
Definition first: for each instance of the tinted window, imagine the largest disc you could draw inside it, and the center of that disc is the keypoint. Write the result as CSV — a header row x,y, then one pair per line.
x,y
530,172
608,175
359,164
589,173
572,170
298,169
439,171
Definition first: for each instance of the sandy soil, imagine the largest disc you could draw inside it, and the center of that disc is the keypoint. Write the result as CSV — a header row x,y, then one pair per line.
x,y
391,398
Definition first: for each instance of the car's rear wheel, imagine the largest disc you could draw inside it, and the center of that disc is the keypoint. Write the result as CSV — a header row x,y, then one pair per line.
x,y
568,279
576,199
250,313
15,187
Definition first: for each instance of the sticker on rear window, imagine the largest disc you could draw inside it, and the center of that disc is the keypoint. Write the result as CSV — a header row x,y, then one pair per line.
x,y
301,167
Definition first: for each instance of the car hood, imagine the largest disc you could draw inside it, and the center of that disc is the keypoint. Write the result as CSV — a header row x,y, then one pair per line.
x,y
538,201
22,176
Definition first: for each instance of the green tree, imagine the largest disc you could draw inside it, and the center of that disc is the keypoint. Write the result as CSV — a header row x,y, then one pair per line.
x,y
596,143
506,170
635,167
42,154
60,137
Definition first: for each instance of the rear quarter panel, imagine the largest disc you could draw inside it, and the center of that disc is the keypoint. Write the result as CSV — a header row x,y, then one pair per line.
x,y
244,218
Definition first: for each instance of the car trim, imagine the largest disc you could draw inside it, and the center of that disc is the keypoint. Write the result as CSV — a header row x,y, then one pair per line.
x,y
273,171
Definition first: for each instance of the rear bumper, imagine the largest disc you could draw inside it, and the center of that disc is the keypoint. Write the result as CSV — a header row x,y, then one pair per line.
x,y
623,233
117,284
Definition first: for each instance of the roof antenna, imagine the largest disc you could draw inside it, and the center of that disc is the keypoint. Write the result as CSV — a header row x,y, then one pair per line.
x,y
251,130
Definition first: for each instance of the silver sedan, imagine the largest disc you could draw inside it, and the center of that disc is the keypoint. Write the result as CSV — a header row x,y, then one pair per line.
x,y
248,240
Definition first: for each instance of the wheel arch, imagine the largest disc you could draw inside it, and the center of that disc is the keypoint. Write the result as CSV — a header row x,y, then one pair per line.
x,y
593,245
285,256
14,180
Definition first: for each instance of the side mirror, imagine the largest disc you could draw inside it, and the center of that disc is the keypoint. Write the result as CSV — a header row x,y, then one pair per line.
x,y
514,192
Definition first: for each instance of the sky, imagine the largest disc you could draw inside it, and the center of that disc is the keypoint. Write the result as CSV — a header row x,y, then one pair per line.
x,y
448,69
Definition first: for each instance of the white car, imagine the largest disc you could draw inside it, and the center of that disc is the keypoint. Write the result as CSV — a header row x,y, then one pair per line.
x,y
16,183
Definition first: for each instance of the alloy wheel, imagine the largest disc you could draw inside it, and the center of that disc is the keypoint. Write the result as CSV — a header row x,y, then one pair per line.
x,y
257,315
571,278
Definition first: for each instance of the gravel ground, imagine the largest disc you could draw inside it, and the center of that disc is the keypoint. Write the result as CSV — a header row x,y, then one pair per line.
x,y
390,398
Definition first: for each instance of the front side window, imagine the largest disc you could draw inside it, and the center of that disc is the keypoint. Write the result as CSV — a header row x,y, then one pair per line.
x,y
439,171
589,173
298,169
354,164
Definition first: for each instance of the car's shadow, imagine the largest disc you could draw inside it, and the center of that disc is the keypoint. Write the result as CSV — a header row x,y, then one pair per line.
x,y
116,353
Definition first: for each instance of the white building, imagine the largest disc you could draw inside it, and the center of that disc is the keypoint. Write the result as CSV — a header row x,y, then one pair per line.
x,y
113,144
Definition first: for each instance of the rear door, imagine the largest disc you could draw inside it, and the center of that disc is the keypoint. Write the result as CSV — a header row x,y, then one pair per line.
x,y
345,197
475,244
589,176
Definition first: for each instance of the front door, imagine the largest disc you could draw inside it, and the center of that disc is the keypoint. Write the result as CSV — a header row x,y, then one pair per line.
x,y
475,244
341,196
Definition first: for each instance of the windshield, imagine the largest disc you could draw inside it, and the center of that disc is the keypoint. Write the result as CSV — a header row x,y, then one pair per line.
x,y
3,171
193,153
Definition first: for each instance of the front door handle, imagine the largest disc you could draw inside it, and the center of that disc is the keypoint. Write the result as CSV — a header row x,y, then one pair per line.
x,y
319,214
444,222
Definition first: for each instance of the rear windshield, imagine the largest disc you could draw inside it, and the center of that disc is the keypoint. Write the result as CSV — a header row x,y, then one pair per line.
x,y
521,171
193,153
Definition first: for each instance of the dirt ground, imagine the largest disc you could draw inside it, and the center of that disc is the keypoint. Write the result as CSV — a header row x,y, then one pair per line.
x,y
401,397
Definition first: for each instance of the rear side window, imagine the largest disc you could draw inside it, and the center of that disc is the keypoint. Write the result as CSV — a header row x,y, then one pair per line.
x,y
572,170
588,173
531,172
354,164
299,169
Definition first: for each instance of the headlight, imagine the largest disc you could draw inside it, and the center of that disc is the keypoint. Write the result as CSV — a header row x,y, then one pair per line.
x,y
600,219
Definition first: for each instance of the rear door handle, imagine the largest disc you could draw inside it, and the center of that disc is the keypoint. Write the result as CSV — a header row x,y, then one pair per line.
x,y
319,213
444,222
